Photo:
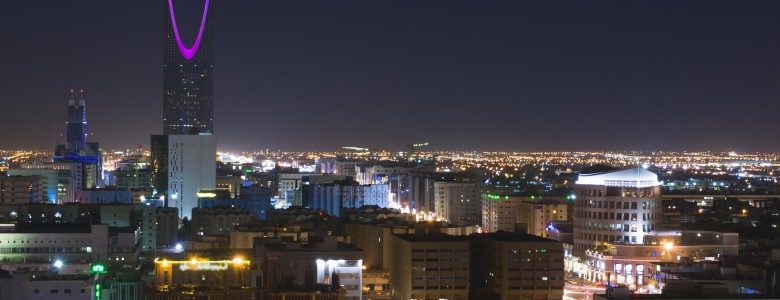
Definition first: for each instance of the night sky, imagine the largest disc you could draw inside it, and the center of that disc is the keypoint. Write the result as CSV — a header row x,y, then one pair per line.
x,y
462,75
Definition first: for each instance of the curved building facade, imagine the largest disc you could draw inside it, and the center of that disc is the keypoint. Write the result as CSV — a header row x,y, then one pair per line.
x,y
615,206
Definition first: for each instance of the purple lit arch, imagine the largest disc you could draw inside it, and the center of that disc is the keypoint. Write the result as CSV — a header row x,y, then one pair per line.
x,y
188,53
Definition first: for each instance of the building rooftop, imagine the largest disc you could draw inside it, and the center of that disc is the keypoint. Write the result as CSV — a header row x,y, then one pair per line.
x,y
634,176
433,238
505,236
52,228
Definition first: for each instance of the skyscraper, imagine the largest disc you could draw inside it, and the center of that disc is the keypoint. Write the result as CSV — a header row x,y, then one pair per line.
x,y
85,160
76,132
183,157
188,75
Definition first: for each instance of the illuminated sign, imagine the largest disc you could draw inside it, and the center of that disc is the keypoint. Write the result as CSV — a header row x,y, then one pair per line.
x,y
98,268
97,291
207,195
196,265
204,266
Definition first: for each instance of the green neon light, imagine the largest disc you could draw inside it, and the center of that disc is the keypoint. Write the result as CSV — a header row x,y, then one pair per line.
x,y
97,291
98,268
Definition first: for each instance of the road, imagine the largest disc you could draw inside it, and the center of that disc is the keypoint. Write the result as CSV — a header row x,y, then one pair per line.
x,y
579,292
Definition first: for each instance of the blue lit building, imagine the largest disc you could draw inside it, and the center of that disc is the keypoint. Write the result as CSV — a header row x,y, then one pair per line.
x,y
85,159
254,198
332,197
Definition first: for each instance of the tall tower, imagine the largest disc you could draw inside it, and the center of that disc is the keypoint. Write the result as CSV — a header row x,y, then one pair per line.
x,y
188,80
76,132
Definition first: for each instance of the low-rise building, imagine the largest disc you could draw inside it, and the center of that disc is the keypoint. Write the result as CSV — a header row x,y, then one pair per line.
x,y
21,190
219,221
320,262
540,214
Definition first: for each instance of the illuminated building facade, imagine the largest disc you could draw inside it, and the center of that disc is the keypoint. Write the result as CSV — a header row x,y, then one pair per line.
x,y
335,196
49,286
459,203
499,212
539,215
630,264
616,206
76,132
83,158
188,73
255,198
57,181
21,189
183,165
37,246
321,263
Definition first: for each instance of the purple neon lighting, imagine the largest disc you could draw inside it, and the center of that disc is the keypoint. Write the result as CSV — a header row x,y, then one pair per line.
x,y
188,53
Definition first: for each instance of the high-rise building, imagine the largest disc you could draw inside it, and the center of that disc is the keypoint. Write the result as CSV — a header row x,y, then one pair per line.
x,y
76,133
616,206
183,165
83,158
188,84
183,158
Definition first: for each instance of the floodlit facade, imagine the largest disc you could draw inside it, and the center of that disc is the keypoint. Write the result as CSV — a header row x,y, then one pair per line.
x,y
183,165
321,263
38,246
539,215
630,264
499,212
459,203
617,206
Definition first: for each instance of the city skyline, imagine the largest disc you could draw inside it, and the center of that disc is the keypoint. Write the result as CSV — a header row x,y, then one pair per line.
x,y
622,76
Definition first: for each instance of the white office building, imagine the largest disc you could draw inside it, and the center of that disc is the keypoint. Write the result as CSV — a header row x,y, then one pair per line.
x,y
615,206
184,165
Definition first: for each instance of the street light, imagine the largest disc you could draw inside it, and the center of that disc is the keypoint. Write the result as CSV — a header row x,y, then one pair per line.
x,y
58,264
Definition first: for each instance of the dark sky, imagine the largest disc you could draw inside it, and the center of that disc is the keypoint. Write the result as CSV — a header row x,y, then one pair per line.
x,y
462,75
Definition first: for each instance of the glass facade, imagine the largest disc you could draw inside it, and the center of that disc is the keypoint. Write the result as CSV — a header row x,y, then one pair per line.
x,y
188,84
